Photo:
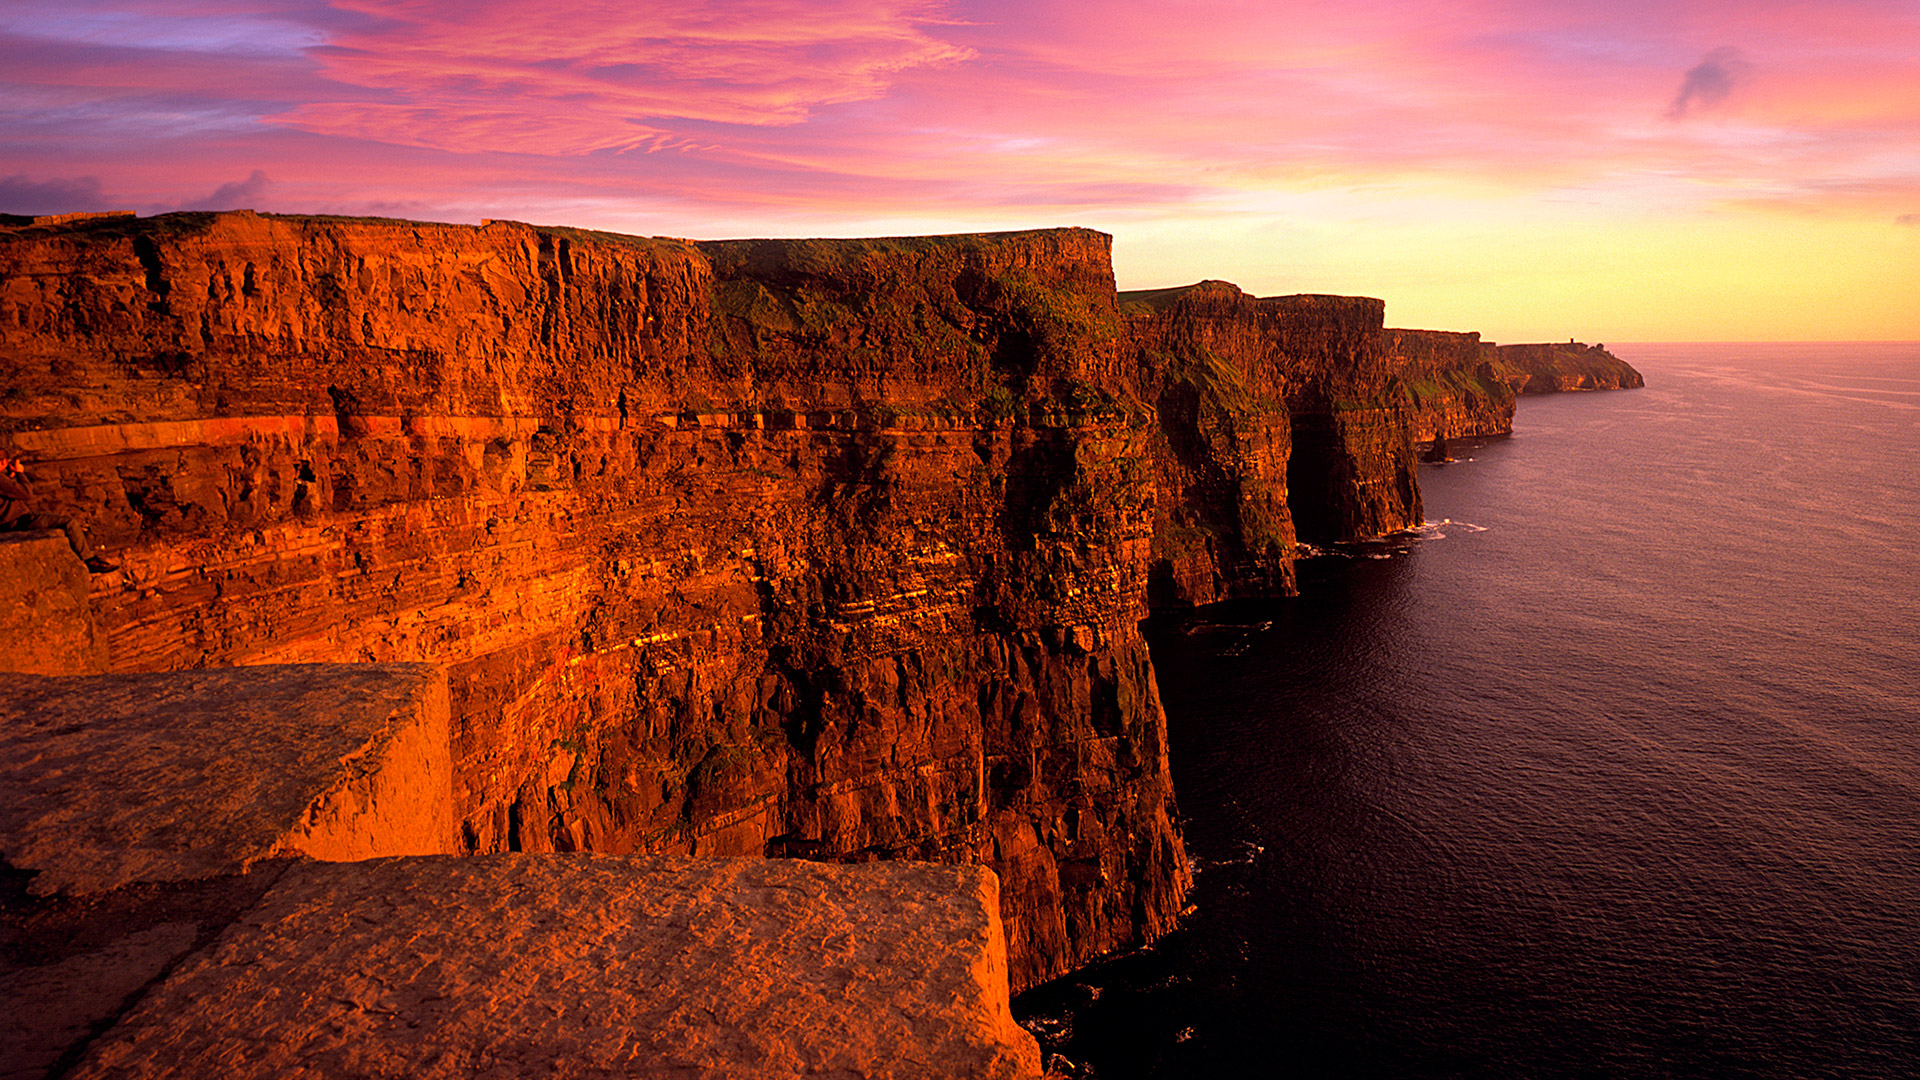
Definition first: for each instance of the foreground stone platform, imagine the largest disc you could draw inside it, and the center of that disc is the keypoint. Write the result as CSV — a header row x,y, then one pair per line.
x,y
526,965
111,779
160,915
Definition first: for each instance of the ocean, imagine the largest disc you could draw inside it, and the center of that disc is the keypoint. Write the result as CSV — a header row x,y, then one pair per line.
x,y
1613,770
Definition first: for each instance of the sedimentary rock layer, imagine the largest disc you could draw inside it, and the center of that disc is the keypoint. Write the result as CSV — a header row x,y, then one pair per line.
x,y
834,549
1455,387
828,549
1351,472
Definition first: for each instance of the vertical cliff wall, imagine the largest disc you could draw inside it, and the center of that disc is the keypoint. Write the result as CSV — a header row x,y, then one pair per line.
x,y
823,548
1351,472
1204,360
1284,419
1455,385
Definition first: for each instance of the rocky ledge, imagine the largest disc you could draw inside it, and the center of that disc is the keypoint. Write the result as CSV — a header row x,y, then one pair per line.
x,y
153,923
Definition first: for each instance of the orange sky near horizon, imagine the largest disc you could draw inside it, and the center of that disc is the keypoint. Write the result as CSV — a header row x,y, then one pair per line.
x,y
1532,169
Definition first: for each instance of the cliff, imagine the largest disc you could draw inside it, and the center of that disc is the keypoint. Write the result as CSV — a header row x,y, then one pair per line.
x,y
1555,368
1203,361
1279,420
822,548
833,549
1454,387
1351,472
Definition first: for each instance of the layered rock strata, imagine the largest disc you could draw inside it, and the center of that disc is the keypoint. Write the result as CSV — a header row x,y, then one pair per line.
x,y
1205,360
824,549
1279,420
1454,384
834,549
1351,474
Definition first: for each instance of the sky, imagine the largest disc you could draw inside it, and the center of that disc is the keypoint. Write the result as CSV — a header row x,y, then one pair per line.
x,y
1651,170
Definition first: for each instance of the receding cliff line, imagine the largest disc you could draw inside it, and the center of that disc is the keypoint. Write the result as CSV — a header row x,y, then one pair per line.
x,y
824,548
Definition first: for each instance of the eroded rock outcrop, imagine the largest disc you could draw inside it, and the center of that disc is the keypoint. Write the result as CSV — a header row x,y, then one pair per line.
x,y
1555,368
46,622
584,966
111,780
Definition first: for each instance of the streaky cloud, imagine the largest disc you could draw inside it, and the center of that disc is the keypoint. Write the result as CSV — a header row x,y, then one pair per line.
x,y
584,77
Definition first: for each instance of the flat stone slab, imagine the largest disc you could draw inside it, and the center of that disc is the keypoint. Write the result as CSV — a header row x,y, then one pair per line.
x,y
107,780
591,966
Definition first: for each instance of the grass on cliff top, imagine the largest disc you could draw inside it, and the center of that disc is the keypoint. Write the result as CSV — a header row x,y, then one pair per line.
x,y
1456,383
897,308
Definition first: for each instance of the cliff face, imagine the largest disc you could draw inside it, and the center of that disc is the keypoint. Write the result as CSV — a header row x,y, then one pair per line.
x,y
1555,368
833,549
1204,361
1351,472
1454,384
1279,419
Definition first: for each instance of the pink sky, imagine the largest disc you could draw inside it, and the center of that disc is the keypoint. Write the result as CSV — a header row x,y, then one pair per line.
x,y
1528,168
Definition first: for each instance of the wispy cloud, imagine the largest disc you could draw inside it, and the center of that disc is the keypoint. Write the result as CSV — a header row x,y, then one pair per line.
x,y
237,195
574,78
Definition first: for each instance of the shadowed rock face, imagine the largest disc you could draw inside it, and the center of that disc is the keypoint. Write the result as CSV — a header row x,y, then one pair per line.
x,y
1351,474
1206,360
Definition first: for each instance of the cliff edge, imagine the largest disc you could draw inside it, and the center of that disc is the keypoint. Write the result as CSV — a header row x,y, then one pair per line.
x,y
834,549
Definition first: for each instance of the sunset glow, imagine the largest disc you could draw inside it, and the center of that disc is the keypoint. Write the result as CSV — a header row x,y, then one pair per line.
x,y
1694,169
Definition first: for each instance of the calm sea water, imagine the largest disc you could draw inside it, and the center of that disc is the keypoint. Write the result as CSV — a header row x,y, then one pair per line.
x,y
1615,772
